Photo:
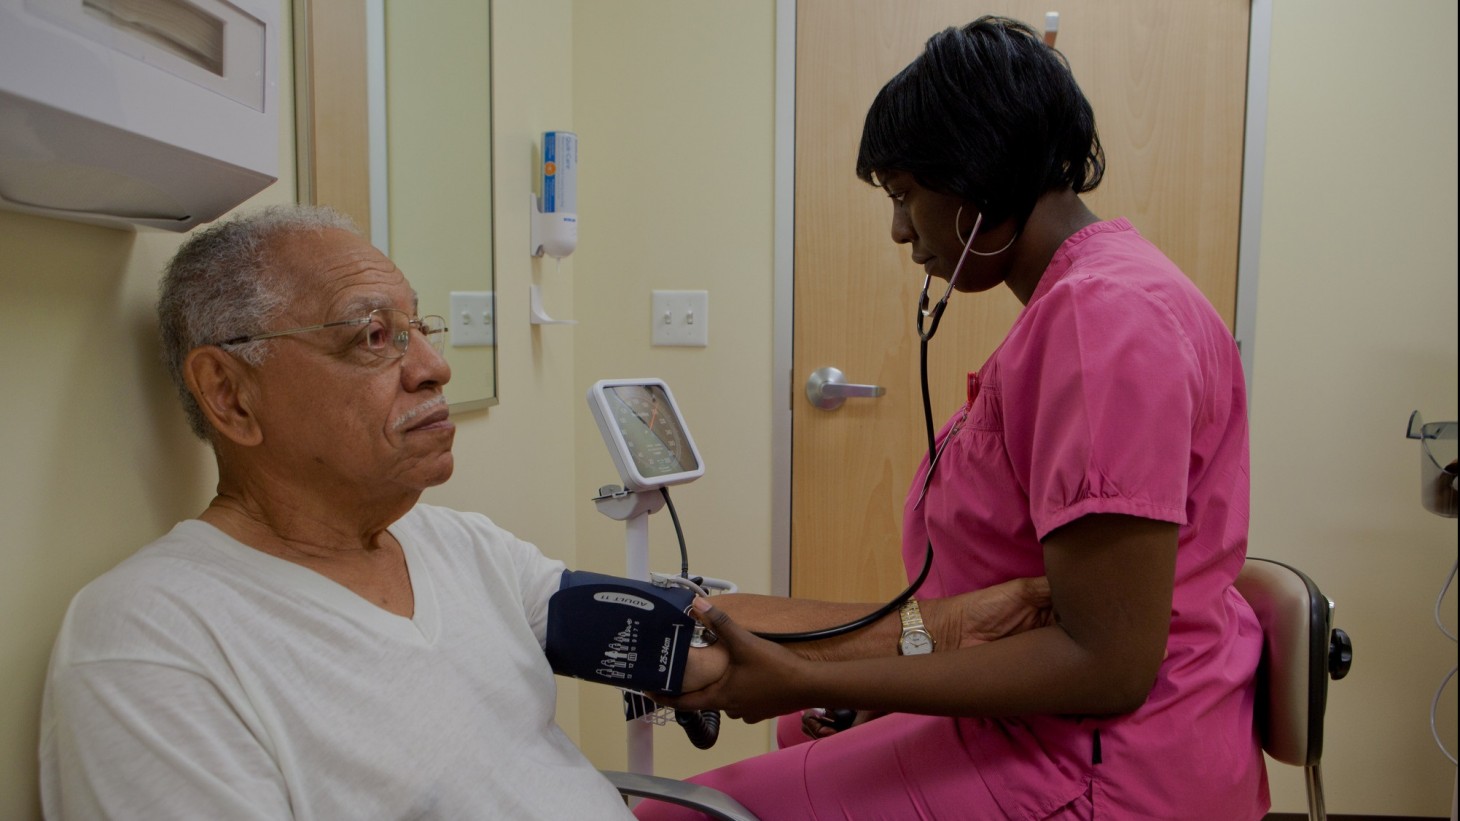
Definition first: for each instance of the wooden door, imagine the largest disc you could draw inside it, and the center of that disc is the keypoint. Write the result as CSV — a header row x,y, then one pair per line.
x,y
1168,85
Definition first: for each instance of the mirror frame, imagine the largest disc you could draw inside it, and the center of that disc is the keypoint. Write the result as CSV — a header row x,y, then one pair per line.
x,y
331,107
339,102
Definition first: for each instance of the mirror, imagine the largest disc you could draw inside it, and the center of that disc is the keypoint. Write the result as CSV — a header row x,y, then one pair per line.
x,y
394,128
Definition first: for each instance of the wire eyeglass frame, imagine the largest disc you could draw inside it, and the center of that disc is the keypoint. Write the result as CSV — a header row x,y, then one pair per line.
x,y
397,323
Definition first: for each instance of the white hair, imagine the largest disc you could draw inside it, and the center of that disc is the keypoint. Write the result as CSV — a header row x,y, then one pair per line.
x,y
223,283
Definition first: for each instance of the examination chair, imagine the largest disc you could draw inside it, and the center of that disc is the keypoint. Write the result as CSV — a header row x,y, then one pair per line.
x,y
707,800
1301,651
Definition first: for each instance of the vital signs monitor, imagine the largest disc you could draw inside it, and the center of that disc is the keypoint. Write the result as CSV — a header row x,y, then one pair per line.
x,y
645,433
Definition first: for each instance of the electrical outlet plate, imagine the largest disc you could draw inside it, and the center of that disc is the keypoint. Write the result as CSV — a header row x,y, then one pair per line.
x,y
680,318
473,320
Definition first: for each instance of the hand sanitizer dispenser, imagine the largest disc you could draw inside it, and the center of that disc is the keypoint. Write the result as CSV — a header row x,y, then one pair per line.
x,y
554,230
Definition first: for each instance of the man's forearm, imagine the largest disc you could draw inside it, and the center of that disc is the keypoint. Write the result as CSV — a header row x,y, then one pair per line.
x,y
776,614
964,620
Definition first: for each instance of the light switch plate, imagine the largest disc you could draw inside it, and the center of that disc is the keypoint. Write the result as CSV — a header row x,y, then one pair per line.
x,y
680,318
473,320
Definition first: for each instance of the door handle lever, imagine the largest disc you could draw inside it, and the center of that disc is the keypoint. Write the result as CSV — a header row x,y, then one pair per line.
x,y
826,389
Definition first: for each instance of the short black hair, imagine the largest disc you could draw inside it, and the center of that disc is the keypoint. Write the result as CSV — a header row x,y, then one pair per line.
x,y
989,113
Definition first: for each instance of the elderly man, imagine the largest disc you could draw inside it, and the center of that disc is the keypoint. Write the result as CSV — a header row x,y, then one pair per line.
x,y
316,644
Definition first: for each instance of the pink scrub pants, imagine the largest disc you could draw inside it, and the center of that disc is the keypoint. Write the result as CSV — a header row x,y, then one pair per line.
x,y
898,768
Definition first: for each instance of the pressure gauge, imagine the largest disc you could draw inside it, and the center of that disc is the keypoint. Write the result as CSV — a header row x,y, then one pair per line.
x,y
645,433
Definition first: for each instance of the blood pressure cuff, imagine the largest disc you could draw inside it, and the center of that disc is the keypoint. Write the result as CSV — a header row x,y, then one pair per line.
x,y
623,632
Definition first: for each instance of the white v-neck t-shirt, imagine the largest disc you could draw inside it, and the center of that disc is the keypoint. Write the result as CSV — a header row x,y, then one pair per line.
x,y
202,678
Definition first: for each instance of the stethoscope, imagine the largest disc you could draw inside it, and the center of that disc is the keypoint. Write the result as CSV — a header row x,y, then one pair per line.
x,y
927,323
928,318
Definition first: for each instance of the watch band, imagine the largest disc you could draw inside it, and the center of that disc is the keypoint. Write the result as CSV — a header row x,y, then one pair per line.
x,y
912,614
915,638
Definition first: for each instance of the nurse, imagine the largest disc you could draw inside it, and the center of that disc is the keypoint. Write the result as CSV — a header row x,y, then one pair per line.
x,y
1103,445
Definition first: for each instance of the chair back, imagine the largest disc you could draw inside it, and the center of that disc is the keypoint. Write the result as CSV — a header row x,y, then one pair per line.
x,y
1292,685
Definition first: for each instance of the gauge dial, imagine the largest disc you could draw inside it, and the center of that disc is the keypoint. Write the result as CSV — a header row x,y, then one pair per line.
x,y
651,429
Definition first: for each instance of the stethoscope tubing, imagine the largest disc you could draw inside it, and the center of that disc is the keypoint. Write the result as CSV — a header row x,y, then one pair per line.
x,y
934,453
930,318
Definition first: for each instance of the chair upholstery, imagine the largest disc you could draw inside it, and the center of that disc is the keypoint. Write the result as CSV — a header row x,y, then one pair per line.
x,y
1301,651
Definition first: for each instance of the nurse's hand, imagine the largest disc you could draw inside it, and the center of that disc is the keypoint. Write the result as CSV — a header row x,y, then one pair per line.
x,y
758,682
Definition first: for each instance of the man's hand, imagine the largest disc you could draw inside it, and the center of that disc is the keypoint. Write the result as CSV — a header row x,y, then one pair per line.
x,y
973,618
991,613
819,722
705,666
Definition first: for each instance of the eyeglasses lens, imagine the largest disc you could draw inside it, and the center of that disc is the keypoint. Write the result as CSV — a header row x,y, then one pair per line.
x,y
389,334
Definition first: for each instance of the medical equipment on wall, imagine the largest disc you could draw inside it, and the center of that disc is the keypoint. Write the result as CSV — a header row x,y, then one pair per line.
x,y
554,228
1438,479
161,114
553,220
1439,486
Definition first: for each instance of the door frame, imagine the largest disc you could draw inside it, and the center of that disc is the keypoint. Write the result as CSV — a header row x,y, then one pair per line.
x,y
783,382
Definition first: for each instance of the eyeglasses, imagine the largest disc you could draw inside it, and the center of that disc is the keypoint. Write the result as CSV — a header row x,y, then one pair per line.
x,y
388,333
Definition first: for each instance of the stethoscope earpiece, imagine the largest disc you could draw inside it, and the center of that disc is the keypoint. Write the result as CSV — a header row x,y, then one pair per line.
x,y
976,223
935,313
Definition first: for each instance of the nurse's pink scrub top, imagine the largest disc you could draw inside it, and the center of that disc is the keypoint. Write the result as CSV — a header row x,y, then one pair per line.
x,y
1118,390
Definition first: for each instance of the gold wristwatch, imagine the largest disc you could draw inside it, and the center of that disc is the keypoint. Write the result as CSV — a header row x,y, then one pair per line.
x,y
915,639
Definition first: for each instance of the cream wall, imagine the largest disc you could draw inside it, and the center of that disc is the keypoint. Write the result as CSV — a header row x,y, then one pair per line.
x,y
673,105
98,457
513,460
99,460
1356,327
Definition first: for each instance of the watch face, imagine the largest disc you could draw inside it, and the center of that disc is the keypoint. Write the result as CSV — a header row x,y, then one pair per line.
x,y
916,643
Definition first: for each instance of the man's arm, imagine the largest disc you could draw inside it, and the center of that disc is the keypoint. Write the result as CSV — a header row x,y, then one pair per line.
x,y
955,621
1111,579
